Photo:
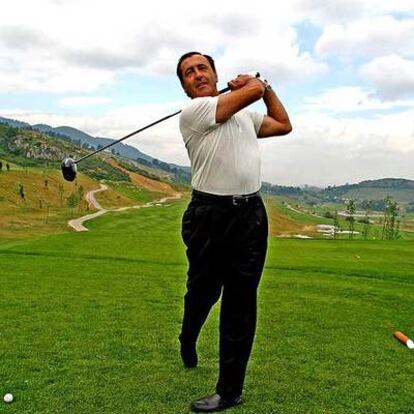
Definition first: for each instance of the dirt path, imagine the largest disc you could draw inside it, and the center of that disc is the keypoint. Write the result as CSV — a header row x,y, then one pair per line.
x,y
90,197
77,224
144,182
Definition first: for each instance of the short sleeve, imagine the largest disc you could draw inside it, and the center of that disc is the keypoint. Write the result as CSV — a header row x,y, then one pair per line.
x,y
257,120
199,115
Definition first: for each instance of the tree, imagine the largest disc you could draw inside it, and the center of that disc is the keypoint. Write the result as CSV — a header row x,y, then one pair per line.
x,y
72,201
365,231
397,234
329,215
390,230
350,210
81,193
61,191
21,192
336,224
11,132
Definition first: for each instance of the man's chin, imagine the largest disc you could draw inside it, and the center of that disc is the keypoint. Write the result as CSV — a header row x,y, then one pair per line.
x,y
202,92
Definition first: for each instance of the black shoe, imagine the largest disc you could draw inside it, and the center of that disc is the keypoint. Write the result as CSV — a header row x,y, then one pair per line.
x,y
213,403
188,354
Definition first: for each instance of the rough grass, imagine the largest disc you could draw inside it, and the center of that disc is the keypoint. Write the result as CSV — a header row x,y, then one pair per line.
x,y
90,322
288,218
44,209
139,195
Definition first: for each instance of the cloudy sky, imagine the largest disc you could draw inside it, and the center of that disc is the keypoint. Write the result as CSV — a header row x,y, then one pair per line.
x,y
343,68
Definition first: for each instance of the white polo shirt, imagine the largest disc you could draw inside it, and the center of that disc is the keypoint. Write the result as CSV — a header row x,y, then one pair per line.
x,y
225,158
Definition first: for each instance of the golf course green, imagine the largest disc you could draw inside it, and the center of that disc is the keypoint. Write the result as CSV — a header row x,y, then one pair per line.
x,y
89,323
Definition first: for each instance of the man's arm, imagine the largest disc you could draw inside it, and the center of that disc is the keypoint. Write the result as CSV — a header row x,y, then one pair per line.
x,y
245,90
276,122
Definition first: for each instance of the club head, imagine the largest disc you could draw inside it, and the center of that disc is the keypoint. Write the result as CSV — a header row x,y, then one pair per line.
x,y
69,169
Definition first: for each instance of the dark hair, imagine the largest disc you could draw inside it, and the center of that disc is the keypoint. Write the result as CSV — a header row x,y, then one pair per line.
x,y
187,55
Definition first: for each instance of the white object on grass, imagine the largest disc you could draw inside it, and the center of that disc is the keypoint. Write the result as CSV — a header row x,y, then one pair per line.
x,y
8,398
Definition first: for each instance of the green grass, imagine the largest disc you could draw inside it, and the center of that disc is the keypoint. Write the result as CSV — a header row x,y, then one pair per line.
x,y
90,323
141,195
300,215
306,215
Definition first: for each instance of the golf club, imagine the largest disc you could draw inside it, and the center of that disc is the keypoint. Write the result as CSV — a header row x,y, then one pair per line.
x,y
69,165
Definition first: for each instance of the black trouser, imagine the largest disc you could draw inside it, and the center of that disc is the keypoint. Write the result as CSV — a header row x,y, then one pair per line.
x,y
226,243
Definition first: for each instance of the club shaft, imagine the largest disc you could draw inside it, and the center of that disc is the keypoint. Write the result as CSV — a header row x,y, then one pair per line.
x,y
128,136
143,129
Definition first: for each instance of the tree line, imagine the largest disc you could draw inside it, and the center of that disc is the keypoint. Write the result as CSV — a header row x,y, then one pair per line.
x,y
390,220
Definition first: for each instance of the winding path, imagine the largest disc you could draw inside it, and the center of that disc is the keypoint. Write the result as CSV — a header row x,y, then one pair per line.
x,y
77,224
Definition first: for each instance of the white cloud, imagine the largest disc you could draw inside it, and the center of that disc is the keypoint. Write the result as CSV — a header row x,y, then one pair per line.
x,y
40,72
392,75
324,150
332,10
321,150
84,101
351,99
78,49
162,141
372,37
342,11
286,65
69,47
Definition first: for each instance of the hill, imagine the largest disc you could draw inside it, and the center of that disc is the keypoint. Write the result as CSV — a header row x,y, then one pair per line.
x,y
26,146
293,211
401,190
36,200
87,141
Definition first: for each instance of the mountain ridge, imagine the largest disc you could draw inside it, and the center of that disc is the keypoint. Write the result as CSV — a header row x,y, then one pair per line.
x,y
401,189
90,142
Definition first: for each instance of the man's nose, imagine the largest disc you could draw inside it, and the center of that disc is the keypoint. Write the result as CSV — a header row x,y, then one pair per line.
x,y
198,73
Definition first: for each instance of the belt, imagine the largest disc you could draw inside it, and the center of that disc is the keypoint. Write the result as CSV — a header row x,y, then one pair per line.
x,y
235,200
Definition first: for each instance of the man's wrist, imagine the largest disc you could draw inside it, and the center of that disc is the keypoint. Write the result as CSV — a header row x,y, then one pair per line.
x,y
266,84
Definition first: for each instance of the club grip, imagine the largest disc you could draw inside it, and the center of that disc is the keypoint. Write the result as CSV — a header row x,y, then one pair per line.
x,y
257,75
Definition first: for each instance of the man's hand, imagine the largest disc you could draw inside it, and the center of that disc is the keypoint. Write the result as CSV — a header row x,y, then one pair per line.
x,y
241,81
245,90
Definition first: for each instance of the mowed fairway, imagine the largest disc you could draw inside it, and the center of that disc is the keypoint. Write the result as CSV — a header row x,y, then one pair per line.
x,y
89,323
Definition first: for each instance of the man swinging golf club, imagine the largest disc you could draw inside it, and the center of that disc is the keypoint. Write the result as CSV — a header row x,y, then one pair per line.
x,y
225,225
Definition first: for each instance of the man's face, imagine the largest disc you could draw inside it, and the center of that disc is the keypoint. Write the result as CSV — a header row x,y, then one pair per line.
x,y
199,79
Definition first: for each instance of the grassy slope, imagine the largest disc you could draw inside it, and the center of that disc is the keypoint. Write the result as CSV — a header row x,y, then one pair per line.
x,y
288,218
44,211
373,193
140,195
92,320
